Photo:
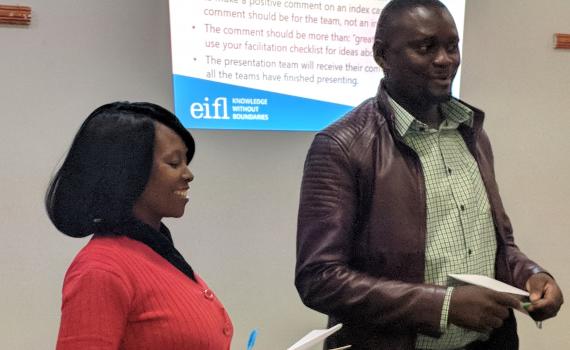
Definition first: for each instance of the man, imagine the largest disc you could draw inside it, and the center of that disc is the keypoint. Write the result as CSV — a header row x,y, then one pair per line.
x,y
400,193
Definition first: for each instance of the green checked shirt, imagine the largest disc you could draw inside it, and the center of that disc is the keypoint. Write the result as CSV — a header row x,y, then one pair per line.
x,y
460,230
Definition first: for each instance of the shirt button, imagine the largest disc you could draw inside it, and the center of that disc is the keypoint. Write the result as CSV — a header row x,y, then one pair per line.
x,y
208,294
469,251
462,207
227,330
449,171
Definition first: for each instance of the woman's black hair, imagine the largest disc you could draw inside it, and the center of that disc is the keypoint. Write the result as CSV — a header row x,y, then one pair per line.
x,y
107,167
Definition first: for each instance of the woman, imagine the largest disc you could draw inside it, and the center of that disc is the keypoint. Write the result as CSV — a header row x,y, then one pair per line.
x,y
129,288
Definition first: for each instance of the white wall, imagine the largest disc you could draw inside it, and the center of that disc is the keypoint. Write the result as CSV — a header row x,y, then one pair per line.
x,y
75,56
239,231
511,70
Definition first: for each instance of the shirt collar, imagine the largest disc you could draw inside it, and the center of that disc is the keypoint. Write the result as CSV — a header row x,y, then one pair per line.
x,y
454,111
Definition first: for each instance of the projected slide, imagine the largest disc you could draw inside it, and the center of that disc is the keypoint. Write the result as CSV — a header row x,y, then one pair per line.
x,y
273,64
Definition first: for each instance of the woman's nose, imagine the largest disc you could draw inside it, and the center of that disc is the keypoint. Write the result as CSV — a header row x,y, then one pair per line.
x,y
188,175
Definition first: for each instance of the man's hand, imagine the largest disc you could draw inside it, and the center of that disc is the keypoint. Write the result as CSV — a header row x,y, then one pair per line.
x,y
480,309
545,296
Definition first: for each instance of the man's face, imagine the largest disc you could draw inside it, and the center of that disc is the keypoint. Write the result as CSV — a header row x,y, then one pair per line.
x,y
421,55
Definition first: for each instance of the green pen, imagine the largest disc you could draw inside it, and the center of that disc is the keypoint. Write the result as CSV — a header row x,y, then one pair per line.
x,y
526,305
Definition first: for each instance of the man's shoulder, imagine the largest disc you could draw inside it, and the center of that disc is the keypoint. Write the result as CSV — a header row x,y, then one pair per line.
x,y
362,121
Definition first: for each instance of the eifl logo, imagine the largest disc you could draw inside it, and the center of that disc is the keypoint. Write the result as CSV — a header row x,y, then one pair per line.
x,y
206,110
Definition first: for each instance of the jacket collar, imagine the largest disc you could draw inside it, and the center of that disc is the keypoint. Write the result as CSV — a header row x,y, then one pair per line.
x,y
386,111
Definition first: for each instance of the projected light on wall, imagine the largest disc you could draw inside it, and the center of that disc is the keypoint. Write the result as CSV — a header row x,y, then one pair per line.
x,y
275,65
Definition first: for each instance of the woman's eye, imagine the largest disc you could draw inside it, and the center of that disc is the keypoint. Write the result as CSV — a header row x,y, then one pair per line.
x,y
174,164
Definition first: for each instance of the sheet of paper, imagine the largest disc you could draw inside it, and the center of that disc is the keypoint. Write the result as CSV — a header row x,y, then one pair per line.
x,y
487,282
314,337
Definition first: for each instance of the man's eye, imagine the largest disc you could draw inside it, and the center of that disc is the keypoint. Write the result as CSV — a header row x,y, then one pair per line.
x,y
174,164
453,47
424,48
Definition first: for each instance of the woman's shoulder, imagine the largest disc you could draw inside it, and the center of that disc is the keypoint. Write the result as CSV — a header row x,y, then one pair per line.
x,y
107,253
110,247
99,270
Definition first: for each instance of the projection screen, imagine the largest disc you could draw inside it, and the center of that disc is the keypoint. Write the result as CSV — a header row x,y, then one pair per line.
x,y
275,64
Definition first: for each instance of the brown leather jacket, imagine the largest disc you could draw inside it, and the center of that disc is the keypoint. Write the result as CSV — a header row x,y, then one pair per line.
x,y
362,229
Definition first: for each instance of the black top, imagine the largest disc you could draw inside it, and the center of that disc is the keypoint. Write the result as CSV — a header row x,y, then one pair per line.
x,y
160,241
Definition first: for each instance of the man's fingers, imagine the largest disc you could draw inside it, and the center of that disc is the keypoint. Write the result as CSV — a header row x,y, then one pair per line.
x,y
495,322
535,295
538,305
489,322
500,312
538,286
543,309
507,300
480,309
548,304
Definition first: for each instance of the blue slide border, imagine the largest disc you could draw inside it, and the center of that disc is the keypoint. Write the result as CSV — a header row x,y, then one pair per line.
x,y
205,104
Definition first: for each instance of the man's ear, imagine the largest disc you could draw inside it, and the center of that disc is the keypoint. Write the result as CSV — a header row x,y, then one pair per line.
x,y
379,51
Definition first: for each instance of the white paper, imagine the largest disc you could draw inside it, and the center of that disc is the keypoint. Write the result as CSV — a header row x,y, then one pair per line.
x,y
488,282
314,337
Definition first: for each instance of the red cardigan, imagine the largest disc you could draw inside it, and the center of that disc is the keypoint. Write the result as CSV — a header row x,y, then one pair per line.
x,y
120,294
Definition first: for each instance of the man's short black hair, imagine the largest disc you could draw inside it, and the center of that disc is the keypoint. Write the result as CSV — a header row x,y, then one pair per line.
x,y
390,12
107,167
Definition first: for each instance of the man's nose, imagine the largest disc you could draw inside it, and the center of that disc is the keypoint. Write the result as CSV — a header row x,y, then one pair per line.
x,y
444,57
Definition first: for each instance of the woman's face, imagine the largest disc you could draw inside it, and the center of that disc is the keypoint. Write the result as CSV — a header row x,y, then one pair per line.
x,y
166,192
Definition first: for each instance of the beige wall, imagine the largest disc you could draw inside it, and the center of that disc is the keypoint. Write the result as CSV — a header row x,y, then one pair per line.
x,y
239,230
511,70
